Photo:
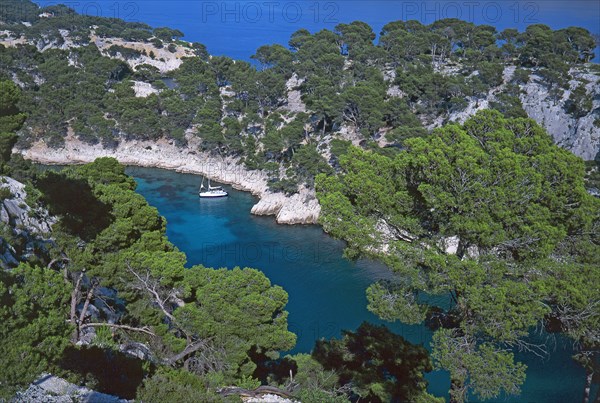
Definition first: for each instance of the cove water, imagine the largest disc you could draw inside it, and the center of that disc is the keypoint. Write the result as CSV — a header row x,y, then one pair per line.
x,y
326,291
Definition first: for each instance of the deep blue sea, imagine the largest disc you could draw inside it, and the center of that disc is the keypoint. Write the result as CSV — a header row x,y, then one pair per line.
x,y
237,28
326,291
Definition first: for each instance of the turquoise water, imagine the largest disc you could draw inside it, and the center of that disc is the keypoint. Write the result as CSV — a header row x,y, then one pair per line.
x,y
326,291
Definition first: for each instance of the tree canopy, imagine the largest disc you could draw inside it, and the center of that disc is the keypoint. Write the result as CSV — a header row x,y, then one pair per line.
x,y
488,214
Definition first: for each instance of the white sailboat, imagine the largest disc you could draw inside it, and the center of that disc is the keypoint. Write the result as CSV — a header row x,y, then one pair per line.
x,y
212,192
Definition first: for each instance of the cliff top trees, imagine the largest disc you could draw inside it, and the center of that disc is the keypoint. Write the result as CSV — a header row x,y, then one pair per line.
x,y
345,80
167,34
475,213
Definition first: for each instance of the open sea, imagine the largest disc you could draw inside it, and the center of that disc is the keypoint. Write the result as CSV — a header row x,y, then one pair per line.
x,y
237,28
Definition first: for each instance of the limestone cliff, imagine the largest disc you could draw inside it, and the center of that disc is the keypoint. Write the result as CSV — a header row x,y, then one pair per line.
x,y
300,208
581,136
25,230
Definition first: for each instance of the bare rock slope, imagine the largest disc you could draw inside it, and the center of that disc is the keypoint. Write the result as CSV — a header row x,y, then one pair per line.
x,y
25,230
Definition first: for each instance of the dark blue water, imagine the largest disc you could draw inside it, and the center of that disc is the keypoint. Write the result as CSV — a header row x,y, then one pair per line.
x,y
326,291
237,28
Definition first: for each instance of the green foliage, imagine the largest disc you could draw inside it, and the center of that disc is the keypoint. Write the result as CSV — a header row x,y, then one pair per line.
x,y
11,119
34,332
167,34
309,163
395,303
492,371
509,104
316,383
126,53
106,171
112,251
363,106
592,177
510,201
380,365
16,11
275,57
84,218
340,74
104,338
9,96
176,386
239,309
490,73
287,186
7,142
5,193
579,103
339,147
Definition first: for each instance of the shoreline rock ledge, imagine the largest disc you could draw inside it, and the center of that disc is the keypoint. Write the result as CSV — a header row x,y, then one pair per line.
x,y
300,208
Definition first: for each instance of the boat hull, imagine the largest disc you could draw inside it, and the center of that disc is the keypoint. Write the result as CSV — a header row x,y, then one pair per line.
x,y
208,195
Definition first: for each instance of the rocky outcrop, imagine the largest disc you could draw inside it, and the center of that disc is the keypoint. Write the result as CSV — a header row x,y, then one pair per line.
x,y
143,89
51,389
294,96
474,104
161,58
580,136
268,398
25,229
15,212
300,208
262,394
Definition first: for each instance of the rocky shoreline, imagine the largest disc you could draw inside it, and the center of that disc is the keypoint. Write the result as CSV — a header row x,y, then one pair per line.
x,y
300,208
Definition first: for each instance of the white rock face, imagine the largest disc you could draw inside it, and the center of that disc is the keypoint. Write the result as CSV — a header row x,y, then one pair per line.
x,y
294,100
16,213
268,398
450,245
164,60
143,89
395,91
26,228
300,208
579,136
51,389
